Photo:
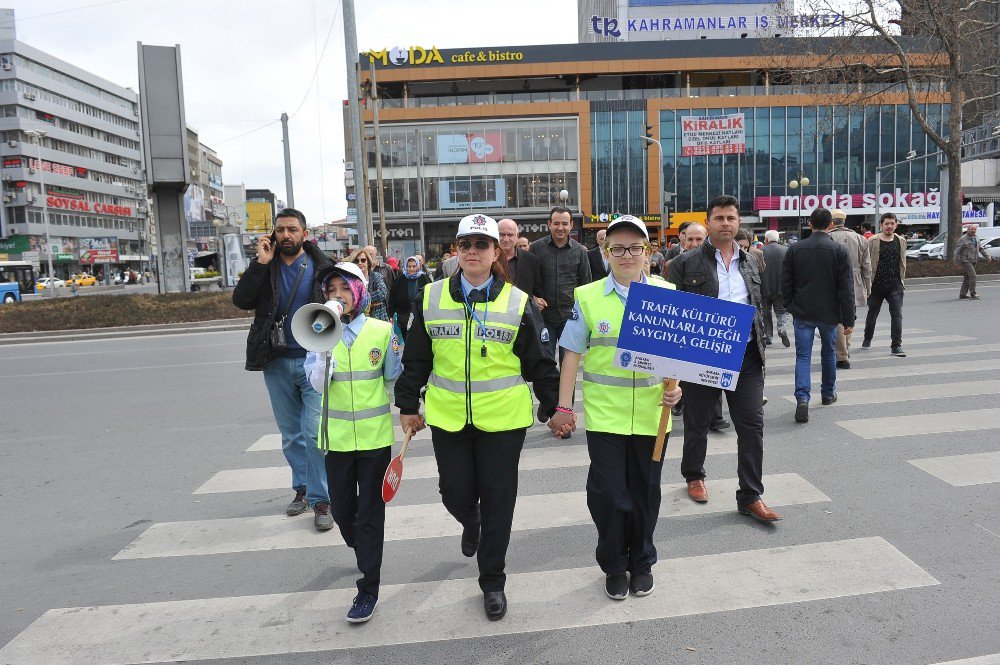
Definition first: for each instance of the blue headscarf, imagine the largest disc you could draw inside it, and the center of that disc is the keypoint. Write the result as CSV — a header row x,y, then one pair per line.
x,y
420,267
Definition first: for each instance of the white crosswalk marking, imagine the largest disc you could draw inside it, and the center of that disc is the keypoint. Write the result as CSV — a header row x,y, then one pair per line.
x,y
861,356
924,423
912,393
542,511
963,470
532,459
993,659
902,369
452,609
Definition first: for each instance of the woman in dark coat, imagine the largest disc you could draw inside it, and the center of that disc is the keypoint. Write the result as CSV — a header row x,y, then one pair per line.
x,y
404,291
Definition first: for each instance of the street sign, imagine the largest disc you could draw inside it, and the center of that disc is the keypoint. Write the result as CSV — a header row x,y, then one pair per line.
x,y
34,258
684,335
351,196
349,183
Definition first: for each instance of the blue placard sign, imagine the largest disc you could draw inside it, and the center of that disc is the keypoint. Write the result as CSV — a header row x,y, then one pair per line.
x,y
684,336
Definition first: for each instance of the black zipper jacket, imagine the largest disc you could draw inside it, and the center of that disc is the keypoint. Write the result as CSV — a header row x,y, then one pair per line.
x,y
537,365
255,291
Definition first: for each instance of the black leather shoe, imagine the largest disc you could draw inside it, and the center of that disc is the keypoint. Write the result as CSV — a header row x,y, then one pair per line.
x,y
828,400
719,425
470,540
802,412
495,604
843,364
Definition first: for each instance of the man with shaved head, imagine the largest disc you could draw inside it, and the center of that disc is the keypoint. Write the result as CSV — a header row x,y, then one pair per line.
x,y
524,268
695,235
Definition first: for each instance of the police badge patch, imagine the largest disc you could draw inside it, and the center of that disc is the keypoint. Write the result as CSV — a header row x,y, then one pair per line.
x,y
545,335
374,356
395,344
604,327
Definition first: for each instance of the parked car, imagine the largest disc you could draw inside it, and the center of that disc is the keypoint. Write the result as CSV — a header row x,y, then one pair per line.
x,y
922,253
992,246
49,283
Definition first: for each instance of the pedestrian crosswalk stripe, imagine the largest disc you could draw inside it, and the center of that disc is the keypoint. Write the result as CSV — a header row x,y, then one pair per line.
x,y
902,369
913,393
924,423
963,470
861,357
273,441
409,522
993,659
300,622
532,459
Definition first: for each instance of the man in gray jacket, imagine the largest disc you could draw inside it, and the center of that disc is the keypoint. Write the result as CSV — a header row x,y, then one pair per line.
x,y
967,252
861,268
770,288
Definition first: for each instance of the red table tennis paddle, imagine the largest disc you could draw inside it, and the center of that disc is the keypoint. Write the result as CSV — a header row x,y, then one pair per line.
x,y
394,472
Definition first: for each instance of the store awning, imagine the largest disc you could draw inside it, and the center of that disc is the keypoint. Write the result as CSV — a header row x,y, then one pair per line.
x,y
982,194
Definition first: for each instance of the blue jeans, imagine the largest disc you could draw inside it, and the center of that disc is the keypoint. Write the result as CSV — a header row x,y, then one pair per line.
x,y
804,332
296,411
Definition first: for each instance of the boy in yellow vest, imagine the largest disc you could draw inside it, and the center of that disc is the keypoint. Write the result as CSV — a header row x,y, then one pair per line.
x,y
622,415
356,430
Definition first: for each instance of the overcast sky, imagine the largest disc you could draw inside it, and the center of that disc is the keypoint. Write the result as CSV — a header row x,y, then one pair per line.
x,y
247,61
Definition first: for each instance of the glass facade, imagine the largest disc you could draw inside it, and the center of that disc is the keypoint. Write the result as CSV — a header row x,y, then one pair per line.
x,y
495,165
837,148
618,160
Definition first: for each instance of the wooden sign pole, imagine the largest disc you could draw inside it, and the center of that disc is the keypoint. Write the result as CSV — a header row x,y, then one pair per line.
x,y
661,433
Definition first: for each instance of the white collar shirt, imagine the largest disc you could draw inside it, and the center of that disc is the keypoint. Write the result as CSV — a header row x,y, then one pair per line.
x,y
731,284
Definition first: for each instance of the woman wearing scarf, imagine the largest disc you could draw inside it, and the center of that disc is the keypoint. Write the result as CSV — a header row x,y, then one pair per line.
x,y
405,290
377,290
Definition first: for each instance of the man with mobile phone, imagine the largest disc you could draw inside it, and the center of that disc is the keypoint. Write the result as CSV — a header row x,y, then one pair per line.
x,y
275,290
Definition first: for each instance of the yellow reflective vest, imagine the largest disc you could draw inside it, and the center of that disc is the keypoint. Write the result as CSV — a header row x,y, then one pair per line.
x,y
357,407
615,401
476,378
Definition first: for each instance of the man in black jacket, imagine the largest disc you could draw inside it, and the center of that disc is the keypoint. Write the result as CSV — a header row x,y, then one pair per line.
x,y
275,290
598,268
720,269
524,268
817,286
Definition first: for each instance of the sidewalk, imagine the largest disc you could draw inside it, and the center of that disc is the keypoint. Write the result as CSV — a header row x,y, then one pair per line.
x,y
125,331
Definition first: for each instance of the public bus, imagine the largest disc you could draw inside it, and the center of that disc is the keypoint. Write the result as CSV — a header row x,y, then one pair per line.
x,y
16,279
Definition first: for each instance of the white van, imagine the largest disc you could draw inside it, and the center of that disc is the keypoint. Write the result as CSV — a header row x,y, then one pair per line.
x,y
935,248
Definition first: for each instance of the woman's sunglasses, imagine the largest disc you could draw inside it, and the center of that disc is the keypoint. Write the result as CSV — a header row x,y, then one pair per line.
x,y
481,245
361,261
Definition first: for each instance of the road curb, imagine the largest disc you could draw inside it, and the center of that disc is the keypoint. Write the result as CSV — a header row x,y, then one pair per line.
x,y
35,337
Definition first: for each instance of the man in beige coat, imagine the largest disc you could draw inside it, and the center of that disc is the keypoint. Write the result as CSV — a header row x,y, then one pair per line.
x,y
861,267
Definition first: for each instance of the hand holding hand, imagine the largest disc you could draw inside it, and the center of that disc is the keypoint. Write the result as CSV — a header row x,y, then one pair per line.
x,y
671,397
562,423
540,303
415,422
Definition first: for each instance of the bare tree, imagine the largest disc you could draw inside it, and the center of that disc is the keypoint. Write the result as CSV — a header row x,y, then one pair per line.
x,y
931,50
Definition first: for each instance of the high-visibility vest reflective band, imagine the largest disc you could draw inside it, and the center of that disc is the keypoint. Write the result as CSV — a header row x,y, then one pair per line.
x,y
466,387
616,401
357,406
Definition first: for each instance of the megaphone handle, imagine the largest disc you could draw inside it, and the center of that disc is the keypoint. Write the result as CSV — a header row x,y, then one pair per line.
x,y
406,442
324,431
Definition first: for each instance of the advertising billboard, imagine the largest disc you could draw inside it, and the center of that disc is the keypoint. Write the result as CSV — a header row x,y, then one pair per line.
x,y
713,135
477,147
98,250
258,217
458,193
194,204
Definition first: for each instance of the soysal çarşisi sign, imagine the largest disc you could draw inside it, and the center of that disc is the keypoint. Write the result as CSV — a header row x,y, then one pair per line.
x,y
852,204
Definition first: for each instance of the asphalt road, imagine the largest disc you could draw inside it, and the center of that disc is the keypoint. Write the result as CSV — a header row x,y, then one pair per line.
x,y
878,559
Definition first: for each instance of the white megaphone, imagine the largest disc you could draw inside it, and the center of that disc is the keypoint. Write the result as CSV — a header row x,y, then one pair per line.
x,y
318,327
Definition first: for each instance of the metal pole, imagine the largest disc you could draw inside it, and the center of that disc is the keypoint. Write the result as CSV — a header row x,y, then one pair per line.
x,y
379,186
37,134
361,166
663,186
878,187
288,161
420,193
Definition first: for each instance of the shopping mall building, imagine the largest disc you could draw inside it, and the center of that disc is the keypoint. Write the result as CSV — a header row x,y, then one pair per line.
x,y
503,130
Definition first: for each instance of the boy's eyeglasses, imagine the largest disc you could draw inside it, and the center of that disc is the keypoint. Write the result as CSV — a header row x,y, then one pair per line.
x,y
618,251
481,245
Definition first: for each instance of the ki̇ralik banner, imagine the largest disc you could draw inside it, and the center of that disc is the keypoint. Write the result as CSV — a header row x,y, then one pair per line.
x,y
684,336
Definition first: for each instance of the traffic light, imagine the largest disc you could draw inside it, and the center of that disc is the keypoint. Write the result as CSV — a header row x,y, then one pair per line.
x,y
649,135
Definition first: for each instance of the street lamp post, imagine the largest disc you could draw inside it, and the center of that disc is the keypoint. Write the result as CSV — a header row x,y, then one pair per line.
x,y
803,180
37,134
663,190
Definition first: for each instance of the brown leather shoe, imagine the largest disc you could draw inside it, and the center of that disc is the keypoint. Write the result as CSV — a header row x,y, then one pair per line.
x,y
760,512
697,491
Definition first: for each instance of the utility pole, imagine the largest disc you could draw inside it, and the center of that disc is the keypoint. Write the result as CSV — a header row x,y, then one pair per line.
x,y
360,163
288,161
379,189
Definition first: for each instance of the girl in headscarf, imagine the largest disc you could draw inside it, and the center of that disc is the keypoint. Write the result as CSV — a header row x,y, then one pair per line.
x,y
404,292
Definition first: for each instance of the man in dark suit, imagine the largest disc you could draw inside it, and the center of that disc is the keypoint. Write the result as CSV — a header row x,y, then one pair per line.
x,y
525,270
598,268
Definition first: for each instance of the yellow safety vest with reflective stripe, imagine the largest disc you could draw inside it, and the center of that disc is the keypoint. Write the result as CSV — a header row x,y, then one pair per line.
x,y
616,401
357,407
466,386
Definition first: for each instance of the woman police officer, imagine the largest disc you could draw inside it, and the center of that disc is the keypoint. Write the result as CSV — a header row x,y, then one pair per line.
x,y
475,342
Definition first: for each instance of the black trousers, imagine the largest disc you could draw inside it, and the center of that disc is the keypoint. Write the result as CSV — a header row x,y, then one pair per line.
x,y
746,408
893,295
477,476
355,480
623,495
